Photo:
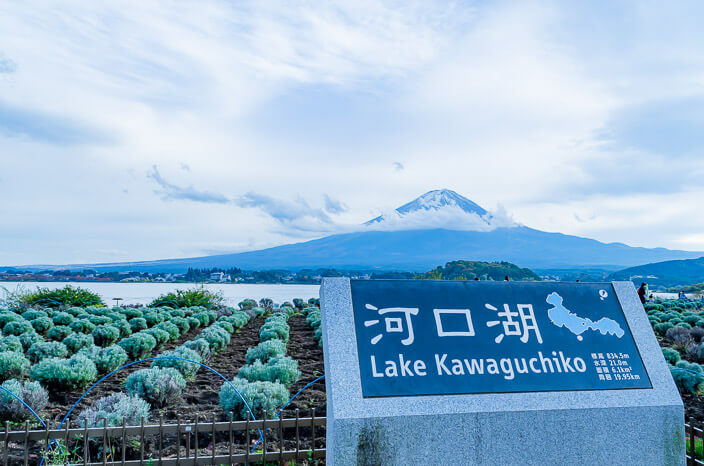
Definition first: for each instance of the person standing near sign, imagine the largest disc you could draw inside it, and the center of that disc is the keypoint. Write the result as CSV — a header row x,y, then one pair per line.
x,y
643,292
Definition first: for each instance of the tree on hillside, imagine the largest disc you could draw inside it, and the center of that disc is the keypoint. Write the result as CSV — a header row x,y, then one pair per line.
x,y
469,270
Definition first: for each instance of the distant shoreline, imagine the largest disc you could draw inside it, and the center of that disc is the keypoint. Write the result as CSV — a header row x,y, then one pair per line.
x,y
71,282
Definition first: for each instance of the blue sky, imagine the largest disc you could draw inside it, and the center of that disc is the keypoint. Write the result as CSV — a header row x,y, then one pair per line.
x,y
145,130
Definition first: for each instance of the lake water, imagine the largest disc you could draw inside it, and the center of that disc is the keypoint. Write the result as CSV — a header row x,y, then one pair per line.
x,y
144,293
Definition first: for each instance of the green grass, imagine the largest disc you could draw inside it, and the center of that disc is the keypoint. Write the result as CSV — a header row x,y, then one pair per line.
x,y
198,296
698,447
67,296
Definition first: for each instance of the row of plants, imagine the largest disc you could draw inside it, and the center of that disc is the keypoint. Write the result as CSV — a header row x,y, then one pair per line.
x,y
163,382
265,379
680,324
103,339
78,345
313,318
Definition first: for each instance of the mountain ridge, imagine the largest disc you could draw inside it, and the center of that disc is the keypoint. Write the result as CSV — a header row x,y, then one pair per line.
x,y
475,234
664,274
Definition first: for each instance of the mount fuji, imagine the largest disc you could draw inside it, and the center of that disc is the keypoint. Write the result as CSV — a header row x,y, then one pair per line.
x,y
437,227
436,200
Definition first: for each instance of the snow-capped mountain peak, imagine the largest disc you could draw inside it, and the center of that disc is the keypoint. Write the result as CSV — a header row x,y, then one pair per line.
x,y
434,205
440,198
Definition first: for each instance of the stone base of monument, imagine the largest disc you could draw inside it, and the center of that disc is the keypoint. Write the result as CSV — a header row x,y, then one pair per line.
x,y
617,426
615,435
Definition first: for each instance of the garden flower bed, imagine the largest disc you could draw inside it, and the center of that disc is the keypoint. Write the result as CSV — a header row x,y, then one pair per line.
x,y
679,327
50,356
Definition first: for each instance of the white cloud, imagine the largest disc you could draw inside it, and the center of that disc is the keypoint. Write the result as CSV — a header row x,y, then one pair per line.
x,y
448,217
509,102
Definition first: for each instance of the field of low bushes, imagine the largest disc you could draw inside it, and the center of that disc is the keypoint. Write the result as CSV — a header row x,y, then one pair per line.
x,y
679,326
50,356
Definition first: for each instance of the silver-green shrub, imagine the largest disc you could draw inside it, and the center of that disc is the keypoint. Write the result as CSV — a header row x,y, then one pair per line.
x,y
216,337
137,324
11,343
34,314
74,311
41,324
274,329
59,332
266,350
260,396
47,349
32,393
30,338
313,318
159,386
7,317
161,336
200,346
280,369
138,345
187,369
247,304
153,318
131,313
203,318
65,374
123,327
238,319
13,365
82,326
671,355
287,310
181,323
225,325
193,322
62,318
76,341
105,335
173,331
689,380
113,410
106,359
99,319
17,327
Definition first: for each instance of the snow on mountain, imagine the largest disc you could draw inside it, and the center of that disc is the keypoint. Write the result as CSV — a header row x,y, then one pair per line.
x,y
441,208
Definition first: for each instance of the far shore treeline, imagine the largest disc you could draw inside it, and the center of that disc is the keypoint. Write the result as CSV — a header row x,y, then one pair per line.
x,y
672,276
455,270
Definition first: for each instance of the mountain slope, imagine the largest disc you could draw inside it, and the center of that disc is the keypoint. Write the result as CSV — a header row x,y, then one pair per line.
x,y
438,227
420,250
665,274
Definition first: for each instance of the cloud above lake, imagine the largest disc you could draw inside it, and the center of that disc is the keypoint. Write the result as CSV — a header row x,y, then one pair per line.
x,y
171,192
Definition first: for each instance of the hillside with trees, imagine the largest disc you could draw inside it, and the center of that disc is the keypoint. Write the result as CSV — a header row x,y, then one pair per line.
x,y
469,270
660,275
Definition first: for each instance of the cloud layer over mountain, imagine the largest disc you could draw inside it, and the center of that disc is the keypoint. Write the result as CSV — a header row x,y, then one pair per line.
x,y
579,118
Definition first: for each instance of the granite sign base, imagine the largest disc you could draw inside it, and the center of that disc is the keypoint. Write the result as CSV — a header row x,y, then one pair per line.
x,y
626,426
621,436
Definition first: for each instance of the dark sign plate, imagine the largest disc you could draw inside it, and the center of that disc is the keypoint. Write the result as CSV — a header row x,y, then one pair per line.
x,y
441,337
